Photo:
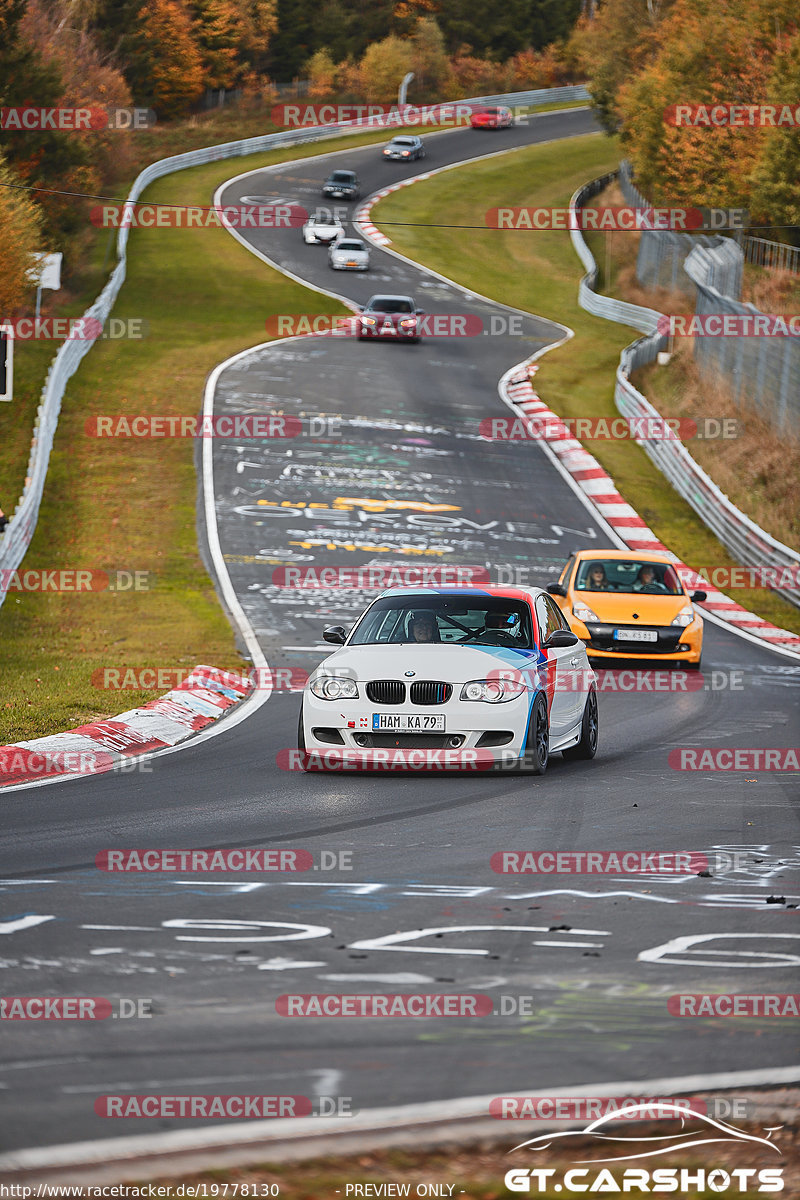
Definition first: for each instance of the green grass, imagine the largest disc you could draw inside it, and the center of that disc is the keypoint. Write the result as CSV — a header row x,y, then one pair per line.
x,y
539,272
130,504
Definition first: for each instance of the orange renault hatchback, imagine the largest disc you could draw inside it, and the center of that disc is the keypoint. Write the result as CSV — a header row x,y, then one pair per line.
x,y
629,605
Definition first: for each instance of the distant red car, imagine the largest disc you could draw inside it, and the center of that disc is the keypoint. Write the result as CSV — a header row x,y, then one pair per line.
x,y
496,117
394,317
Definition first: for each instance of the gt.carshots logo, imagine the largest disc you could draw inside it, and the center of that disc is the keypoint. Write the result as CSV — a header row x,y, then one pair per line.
x,y
588,1177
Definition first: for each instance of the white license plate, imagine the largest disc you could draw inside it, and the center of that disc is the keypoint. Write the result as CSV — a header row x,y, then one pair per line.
x,y
422,722
636,635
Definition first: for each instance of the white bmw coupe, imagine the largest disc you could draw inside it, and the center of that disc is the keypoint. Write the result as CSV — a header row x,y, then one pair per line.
x,y
462,678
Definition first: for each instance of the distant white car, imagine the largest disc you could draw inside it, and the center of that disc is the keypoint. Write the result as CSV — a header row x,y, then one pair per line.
x,y
324,228
491,672
348,254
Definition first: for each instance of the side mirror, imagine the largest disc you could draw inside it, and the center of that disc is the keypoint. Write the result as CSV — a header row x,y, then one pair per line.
x,y
335,634
698,597
556,589
421,310
560,639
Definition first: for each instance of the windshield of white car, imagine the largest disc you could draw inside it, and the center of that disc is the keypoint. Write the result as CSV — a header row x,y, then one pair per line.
x,y
402,142
340,245
390,304
462,621
622,575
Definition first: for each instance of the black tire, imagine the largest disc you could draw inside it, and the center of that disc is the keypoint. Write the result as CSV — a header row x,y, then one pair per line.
x,y
537,741
587,746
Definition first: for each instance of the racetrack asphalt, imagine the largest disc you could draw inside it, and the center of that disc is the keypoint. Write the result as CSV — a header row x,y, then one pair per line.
x,y
212,953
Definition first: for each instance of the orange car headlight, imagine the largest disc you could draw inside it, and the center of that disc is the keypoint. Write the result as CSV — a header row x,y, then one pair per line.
x,y
684,617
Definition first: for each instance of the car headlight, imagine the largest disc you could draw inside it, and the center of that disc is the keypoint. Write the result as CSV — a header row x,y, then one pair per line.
x,y
583,612
332,687
409,323
492,691
368,321
685,616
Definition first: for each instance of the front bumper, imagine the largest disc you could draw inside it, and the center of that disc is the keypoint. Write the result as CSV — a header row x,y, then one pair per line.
x,y
674,642
491,733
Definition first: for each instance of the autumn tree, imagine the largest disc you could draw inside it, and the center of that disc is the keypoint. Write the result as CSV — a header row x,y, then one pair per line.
x,y
775,178
21,222
164,63
258,23
49,160
429,60
612,48
321,72
218,33
383,66
704,55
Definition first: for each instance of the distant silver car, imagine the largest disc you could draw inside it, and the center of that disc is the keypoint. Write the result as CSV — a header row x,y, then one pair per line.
x,y
323,228
348,254
404,148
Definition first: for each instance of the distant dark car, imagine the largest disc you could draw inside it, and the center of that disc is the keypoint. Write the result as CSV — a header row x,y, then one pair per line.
x,y
403,149
392,317
495,117
342,185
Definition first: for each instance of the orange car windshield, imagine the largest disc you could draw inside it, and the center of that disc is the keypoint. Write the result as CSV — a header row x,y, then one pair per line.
x,y
622,575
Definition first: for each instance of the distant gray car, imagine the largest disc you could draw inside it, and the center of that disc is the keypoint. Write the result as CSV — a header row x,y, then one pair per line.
x,y
404,148
348,254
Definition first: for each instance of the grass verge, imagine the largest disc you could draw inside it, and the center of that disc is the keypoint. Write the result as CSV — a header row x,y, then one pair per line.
x,y
129,504
539,272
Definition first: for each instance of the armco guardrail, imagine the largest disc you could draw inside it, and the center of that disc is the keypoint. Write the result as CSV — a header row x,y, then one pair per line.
x,y
747,542
17,536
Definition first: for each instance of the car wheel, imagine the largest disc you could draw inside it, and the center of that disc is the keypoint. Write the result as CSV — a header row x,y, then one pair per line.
x,y
537,742
587,746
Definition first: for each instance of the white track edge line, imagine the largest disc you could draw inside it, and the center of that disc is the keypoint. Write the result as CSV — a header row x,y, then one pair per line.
x,y
378,1120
